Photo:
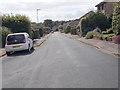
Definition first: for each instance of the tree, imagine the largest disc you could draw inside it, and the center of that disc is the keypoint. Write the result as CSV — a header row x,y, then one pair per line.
x,y
98,20
46,30
48,23
94,20
17,23
116,19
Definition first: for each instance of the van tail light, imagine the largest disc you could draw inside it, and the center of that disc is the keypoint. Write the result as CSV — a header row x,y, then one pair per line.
x,y
8,43
24,41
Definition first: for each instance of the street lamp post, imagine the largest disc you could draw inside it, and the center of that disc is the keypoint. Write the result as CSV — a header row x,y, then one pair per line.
x,y
37,15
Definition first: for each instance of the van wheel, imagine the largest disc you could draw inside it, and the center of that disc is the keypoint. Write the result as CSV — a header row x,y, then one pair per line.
x,y
8,53
32,48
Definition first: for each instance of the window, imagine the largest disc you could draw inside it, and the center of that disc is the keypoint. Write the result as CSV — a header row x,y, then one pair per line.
x,y
15,39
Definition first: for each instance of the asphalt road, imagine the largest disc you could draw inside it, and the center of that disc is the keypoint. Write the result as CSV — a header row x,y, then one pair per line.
x,y
60,62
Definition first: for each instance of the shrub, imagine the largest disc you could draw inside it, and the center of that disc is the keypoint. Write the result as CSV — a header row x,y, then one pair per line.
x,y
73,31
40,32
97,30
104,32
3,33
94,20
61,30
109,31
67,30
100,37
107,36
89,35
46,30
96,35
36,34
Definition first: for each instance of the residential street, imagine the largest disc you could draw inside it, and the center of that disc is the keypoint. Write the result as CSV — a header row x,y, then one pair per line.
x,y
60,62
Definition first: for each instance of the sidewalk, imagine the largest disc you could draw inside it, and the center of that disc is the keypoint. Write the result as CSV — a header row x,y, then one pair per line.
x,y
37,43
105,46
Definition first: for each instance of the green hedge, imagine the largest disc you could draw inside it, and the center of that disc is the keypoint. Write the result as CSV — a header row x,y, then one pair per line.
x,y
3,33
17,23
93,20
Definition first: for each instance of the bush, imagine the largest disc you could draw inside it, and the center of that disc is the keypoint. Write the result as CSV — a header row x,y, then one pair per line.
x,y
36,34
89,35
46,30
104,32
97,30
107,36
96,35
3,33
73,31
109,31
61,30
40,32
94,20
67,30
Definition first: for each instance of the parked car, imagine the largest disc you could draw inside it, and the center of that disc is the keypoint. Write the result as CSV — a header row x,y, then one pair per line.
x,y
18,42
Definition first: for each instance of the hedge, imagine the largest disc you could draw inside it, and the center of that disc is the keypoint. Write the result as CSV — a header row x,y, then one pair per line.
x,y
3,33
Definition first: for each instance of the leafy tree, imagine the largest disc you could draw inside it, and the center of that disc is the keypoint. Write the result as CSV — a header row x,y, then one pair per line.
x,y
98,20
37,29
17,23
48,23
94,20
46,30
40,32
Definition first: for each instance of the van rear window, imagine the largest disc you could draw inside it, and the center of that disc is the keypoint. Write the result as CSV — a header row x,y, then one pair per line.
x,y
16,39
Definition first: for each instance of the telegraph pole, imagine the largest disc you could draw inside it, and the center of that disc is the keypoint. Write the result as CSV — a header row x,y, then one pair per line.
x,y
37,15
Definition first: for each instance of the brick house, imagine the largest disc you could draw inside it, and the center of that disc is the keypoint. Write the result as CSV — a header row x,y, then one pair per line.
x,y
106,7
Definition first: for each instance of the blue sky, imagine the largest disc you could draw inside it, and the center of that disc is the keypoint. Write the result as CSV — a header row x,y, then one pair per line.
x,y
50,9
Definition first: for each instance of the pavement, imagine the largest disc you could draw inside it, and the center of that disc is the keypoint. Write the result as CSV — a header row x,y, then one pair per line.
x,y
104,46
37,43
60,62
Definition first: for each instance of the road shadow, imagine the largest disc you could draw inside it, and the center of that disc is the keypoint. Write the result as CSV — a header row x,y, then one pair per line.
x,y
21,53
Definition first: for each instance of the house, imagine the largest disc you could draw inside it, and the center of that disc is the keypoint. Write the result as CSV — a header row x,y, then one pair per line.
x,y
106,7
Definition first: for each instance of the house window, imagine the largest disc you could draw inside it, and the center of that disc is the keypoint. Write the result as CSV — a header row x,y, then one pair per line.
x,y
102,6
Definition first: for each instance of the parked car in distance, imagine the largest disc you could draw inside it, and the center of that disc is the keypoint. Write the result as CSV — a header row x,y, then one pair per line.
x,y
18,42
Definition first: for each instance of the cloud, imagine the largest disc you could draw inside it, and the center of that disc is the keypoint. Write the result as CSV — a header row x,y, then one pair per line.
x,y
54,9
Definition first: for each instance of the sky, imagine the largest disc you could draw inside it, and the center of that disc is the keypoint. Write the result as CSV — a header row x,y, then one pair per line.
x,y
49,9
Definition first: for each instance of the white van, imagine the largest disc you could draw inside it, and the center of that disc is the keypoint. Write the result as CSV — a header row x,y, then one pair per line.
x,y
18,42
